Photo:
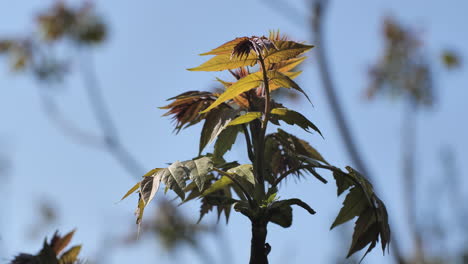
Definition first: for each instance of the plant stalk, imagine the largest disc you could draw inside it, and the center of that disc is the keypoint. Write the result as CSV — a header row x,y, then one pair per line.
x,y
260,150
259,250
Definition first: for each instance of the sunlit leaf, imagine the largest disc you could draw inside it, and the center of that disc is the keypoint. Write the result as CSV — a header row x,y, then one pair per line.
x,y
252,81
225,48
218,185
245,84
132,190
244,172
174,178
245,118
59,243
70,256
225,62
285,50
289,65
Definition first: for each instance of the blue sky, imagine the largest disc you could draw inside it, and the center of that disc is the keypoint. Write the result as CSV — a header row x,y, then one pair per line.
x,y
151,44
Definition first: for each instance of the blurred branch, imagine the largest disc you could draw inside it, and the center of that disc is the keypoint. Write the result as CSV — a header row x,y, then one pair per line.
x,y
318,13
102,114
408,146
68,128
319,7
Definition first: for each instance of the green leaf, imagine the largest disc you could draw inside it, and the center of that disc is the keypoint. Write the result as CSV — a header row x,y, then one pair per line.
x,y
294,201
282,215
225,140
294,118
149,186
300,147
271,198
285,50
174,178
225,62
244,173
366,231
342,182
361,201
221,199
245,118
354,204
216,121
198,170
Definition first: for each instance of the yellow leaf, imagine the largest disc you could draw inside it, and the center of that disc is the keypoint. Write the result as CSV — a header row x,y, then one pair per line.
x,y
132,190
63,242
70,256
245,118
285,50
245,84
289,65
225,62
225,48
218,185
291,75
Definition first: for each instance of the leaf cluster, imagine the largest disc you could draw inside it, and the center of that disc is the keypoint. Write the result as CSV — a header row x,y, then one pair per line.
x,y
259,66
52,252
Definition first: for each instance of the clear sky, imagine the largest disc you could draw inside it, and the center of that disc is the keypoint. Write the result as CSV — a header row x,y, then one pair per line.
x,y
151,43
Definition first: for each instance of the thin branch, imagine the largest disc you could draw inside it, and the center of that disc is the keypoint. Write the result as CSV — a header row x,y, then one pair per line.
x,y
68,128
237,183
286,173
249,143
409,187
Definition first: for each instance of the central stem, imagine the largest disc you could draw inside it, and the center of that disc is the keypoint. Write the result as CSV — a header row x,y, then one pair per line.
x,y
259,250
259,156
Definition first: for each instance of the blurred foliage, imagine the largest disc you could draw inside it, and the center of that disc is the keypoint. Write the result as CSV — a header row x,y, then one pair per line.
x,y
172,228
52,252
45,215
451,59
61,23
403,69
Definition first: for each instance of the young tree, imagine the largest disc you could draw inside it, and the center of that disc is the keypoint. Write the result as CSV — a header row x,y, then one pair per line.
x,y
260,65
